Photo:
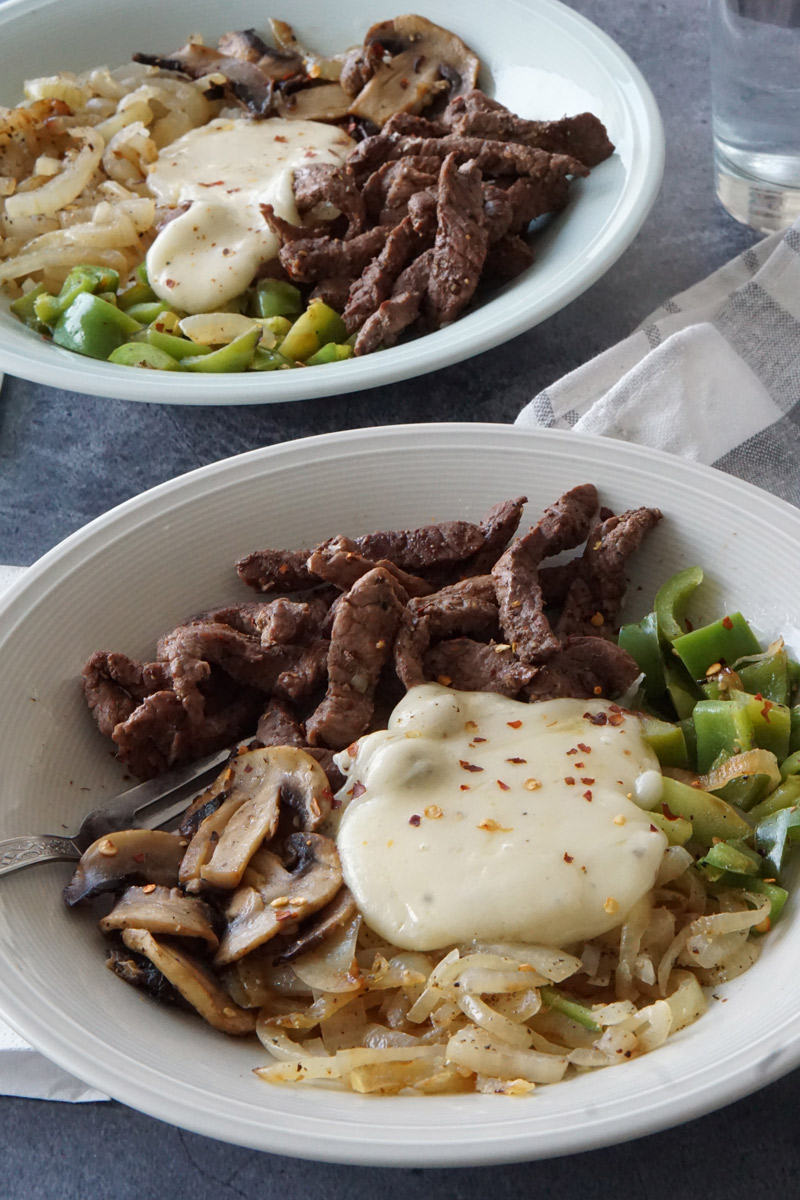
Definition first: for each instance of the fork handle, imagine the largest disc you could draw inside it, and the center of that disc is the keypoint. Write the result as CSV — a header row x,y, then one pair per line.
x,y
19,852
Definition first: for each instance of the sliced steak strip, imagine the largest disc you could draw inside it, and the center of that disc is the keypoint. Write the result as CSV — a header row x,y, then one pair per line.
x,y
404,243
459,250
404,124
305,671
114,685
476,115
364,629
389,189
429,546
338,562
330,184
310,259
498,527
471,666
283,621
466,607
561,527
278,726
585,667
594,600
155,736
400,311
276,571
492,157
508,258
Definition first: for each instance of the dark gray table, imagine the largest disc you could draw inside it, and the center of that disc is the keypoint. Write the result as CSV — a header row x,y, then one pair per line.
x,y
67,458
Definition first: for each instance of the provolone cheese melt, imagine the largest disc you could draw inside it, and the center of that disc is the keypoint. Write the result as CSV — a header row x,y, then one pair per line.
x,y
476,816
224,171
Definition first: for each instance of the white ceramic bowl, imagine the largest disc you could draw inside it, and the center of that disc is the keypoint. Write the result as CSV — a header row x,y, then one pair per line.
x,y
540,58
139,570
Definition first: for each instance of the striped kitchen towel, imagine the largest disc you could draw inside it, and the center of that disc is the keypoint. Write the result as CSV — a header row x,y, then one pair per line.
x,y
713,375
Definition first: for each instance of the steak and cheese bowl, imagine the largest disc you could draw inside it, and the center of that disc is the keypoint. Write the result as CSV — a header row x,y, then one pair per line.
x,y
513,903
356,195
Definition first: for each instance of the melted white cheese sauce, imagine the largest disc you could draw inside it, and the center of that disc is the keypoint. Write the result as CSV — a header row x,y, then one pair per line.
x,y
225,170
477,816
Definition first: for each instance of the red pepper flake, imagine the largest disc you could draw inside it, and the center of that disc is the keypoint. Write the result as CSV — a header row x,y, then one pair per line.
x,y
569,858
415,819
514,724
335,804
765,710
727,623
587,795
326,794
598,691
580,765
574,750
585,779
352,749
502,785
654,828
570,779
614,708
468,766
358,789
479,739
616,718
280,138
248,768
668,813
463,787
586,749
596,718
516,760
216,183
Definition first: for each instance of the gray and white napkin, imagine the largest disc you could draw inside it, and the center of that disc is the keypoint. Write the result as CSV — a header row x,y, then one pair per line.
x,y
713,375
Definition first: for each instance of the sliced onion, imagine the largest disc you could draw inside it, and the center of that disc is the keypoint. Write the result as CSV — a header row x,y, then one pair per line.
x,y
64,188
332,967
472,1048
658,1027
687,1002
751,762
499,1027
554,965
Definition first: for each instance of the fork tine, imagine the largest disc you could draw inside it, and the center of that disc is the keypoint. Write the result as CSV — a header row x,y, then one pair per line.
x,y
154,802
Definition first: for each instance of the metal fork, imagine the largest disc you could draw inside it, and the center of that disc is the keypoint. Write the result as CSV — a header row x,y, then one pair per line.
x,y
147,806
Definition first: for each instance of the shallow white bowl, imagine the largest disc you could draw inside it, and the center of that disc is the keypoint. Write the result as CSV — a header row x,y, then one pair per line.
x,y
132,574
540,58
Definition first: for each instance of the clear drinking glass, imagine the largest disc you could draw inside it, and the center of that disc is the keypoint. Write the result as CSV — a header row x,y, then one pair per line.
x,y
755,94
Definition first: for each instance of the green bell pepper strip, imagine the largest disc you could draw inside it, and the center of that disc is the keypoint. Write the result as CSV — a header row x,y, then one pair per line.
x,y
722,641
773,833
682,689
89,280
785,795
314,328
739,859
770,723
140,354
23,307
569,1008
666,740
794,728
722,728
276,298
93,327
175,347
330,353
745,791
767,674
790,765
148,311
671,601
642,643
710,817
235,356
137,293
717,881
677,830
270,360
690,737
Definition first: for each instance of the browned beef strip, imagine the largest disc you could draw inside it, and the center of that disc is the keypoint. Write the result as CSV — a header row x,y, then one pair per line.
x,y
562,526
115,684
498,527
389,189
405,242
507,258
333,291
338,562
276,571
370,154
155,736
305,671
364,629
278,726
581,667
492,157
287,232
429,546
471,666
403,124
476,115
284,621
331,184
239,616
400,311
601,583
311,259
459,250
466,607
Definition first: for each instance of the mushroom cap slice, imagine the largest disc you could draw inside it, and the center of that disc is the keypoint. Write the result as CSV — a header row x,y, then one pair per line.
x,y
162,910
328,920
148,854
271,897
431,60
256,781
194,982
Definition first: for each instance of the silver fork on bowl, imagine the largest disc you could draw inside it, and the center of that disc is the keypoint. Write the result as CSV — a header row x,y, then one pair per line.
x,y
149,805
